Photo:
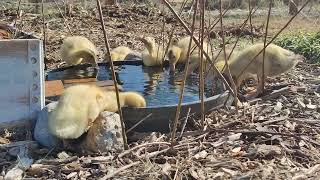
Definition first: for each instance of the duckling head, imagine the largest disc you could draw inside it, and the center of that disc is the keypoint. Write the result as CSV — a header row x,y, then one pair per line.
x,y
85,55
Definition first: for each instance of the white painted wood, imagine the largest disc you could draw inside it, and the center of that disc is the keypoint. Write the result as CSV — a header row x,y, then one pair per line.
x,y
21,81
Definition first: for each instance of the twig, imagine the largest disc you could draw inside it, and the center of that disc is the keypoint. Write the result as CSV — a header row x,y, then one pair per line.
x,y
185,123
112,174
113,73
198,44
134,126
250,21
175,124
264,46
57,161
64,19
173,30
226,60
44,32
202,9
18,10
235,44
285,26
141,145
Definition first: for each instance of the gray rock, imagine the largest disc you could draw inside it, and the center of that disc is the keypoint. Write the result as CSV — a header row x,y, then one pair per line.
x,y
41,130
105,134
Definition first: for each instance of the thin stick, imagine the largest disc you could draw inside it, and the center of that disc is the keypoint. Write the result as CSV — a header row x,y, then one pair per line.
x,y
44,32
202,8
235,44
217,20
185,123
226,60
113,73
162,37
112,174
67,24
18,10
250,21
173,133
173,30
264,45
198,44
134,126
285,26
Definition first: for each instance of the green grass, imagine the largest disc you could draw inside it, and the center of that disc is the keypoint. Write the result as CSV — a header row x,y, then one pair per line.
x,y
306,44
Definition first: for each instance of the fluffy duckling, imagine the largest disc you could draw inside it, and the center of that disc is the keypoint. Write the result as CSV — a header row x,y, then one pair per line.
x,y
218,56
119,53
78,49
178,52
153,54
80,105
277,61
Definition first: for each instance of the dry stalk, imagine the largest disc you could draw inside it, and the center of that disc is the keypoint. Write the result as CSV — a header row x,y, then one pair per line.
x,y
225,58
284,27
140,146
235,44
113,73
250,21
139,122
264,44
173,29
202,9
216,21
112,174
198,44
18,10
173,133
64,19
44,32
185,123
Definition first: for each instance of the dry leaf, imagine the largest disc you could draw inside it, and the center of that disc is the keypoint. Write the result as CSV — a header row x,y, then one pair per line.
x,y
278,107
203,154
166,169
236,150
229,171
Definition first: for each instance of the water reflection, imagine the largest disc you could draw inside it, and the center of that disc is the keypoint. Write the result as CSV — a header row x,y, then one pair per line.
x,y
155,83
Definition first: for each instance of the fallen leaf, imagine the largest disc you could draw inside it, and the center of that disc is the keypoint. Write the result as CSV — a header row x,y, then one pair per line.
x,y
278,107
203,154
234,137
193,173
236,150
300,103
166,169
229,171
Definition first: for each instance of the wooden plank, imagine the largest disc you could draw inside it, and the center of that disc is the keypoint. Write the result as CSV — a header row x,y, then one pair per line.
x,y
53,88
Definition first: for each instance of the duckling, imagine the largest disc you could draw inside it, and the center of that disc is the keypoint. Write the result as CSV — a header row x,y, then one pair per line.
x,y
153,54
178,51
119,53
80,105
277,61
218,56
78,49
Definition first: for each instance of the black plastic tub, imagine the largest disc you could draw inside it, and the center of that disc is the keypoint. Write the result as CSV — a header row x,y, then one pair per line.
x,y
161,115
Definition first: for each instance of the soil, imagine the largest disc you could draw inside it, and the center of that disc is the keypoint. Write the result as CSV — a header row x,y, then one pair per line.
x,y
275,137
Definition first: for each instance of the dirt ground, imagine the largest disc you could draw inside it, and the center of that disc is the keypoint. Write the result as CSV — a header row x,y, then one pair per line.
x,y
275,137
